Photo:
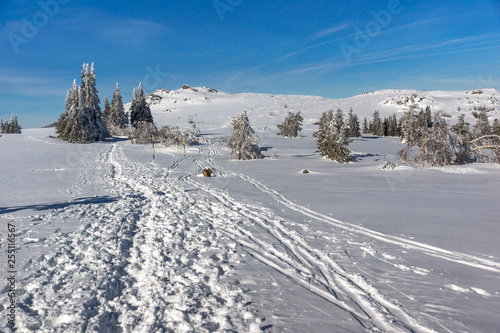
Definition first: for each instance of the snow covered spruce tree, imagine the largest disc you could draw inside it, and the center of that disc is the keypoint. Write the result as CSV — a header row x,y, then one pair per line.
x,y
244,143
139,110
291,126
106,111
115,118
482,126
91,103
462,128
141,118
76,124
1,126
377,127
82,122
353,123
332,138
365,126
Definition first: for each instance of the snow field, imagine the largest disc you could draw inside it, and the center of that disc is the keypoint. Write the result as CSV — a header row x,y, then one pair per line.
x,y
112,242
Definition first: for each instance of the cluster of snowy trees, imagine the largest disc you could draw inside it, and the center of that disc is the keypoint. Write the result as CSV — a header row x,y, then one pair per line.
x,y
432,142
390,126
11,127
83,120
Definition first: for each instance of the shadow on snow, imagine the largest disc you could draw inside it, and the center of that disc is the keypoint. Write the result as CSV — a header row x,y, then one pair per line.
x,y
58,205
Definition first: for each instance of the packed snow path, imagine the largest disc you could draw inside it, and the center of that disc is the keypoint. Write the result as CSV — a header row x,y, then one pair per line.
x,y
160,252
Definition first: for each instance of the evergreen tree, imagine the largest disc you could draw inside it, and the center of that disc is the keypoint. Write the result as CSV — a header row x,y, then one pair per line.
x,y
68,103
354,130
377,127
407,127
139,110
88,88
117,120
90,102
462,128
333,137
482,126
244,143
291,126
1,126
385,124
428,116
365,126
106,112
392,126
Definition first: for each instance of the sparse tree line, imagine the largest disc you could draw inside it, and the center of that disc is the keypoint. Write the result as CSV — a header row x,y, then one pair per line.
x,y
430,141
10,127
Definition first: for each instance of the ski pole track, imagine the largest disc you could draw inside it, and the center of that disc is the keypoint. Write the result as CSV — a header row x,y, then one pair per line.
x,y
309,267
151,262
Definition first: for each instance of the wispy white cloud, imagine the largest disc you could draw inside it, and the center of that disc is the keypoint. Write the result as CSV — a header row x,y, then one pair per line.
x,y
125,29
330,31
30,84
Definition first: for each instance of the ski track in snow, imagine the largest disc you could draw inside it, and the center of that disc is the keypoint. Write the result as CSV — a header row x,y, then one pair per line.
x,y
290,254
158,258
149,262
461,258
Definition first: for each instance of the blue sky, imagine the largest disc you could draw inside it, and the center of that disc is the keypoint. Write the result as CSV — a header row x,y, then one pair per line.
x,y
329,48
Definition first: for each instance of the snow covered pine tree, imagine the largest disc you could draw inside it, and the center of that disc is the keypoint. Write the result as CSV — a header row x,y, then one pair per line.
x,y
332,138
353,121
291,126
244,143
139,110
115,118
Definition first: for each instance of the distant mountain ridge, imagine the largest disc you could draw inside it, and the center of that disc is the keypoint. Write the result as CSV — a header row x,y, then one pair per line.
x,y
214,107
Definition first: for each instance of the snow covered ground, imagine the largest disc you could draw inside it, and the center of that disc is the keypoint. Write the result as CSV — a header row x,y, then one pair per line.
x,y
110,241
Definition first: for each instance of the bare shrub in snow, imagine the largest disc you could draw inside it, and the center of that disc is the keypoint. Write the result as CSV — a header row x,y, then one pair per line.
x,y
386,165
143,133
170,136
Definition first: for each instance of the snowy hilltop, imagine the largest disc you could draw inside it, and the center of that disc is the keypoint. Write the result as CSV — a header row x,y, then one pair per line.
x,y
265,110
